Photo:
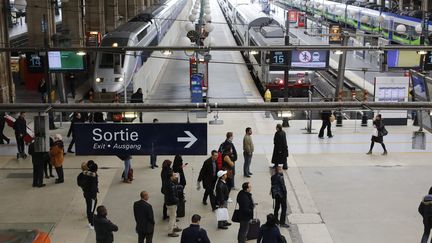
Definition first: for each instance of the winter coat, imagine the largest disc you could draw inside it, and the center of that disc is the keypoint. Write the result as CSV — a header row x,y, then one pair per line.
x,y
178,168
379,125
222,193
91,187
234,151
425,209
280,149
194,233
269,234
137,97
20,126
207,175
278,187
325,115
144,218
104,228
246,205
170,193
57,154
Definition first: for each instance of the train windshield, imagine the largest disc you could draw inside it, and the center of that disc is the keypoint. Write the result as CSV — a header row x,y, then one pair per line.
x,y
109,60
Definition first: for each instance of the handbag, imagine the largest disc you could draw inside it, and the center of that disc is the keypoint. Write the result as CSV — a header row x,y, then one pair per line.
x,y
384,131
222,214
332,118
236,215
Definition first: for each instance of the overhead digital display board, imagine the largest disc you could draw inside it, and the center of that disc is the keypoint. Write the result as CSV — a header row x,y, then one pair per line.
x,y
65,61
419,86
309,59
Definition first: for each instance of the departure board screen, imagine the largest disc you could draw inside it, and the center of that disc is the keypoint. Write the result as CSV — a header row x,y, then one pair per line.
x,y
65,61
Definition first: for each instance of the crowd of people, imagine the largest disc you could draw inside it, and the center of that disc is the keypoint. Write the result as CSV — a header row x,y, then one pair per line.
x,y
217,176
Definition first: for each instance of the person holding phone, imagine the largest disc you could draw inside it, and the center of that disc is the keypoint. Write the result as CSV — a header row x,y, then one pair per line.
x,y
178,168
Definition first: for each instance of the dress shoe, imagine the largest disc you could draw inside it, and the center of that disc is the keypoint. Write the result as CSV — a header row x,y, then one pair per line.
x,y
250,174
227,224
173,234
57,181
384,153
368,153
177,229
222,227
156,166
205,203
71,151
330,136
284,225
42,185
52,176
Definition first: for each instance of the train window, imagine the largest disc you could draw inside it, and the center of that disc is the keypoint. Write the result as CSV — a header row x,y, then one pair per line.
x,y
141,34
106,60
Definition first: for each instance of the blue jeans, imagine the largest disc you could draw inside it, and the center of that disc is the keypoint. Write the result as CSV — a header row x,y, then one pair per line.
x,y
247,163
127,165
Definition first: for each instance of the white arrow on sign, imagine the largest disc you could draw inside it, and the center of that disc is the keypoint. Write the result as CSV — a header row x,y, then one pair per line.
x,y
191,139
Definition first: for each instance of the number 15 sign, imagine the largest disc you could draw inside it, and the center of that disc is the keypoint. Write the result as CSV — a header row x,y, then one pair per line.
x,y
279,60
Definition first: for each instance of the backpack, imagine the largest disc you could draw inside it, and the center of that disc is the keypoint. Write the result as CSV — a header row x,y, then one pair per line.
x,y
81,180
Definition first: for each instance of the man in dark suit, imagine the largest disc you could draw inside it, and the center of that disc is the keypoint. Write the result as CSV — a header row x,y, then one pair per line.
x,y
20,127
208,177
144,218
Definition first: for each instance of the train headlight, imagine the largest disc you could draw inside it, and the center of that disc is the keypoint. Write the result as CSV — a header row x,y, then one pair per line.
x,y
99,80
253,52
119,79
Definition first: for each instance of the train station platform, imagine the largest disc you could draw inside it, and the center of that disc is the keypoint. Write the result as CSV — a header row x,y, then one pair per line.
x,y
336,193
354,64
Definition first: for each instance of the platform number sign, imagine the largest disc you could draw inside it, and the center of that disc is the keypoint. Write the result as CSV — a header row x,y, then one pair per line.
x,y
279,60
427,62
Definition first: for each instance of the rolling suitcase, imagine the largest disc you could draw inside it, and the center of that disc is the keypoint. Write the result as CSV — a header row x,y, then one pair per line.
x,y
254,228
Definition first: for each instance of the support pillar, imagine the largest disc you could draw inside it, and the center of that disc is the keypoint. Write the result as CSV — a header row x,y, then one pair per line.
x,y
7,91
72,22
36,10
111,15
123,11
133,8
95,16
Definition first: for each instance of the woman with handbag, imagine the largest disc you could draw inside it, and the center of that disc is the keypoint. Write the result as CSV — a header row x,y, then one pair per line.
x,y
378,134
228,165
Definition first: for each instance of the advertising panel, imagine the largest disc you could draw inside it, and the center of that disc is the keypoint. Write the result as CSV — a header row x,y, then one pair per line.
x,y
335,34
403,59
309,59
392,89
419,86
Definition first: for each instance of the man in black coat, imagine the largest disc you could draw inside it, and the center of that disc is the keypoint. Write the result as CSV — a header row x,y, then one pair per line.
x,y
137,97
20,127
233,157
103,227
325,117
194,233
144,218
280,149
75,119
246,207
38,164
208,177
2,126
425,209
279,194
90,190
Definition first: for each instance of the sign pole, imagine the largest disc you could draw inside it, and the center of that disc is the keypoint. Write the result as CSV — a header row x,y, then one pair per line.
x,y
340,77
285,122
